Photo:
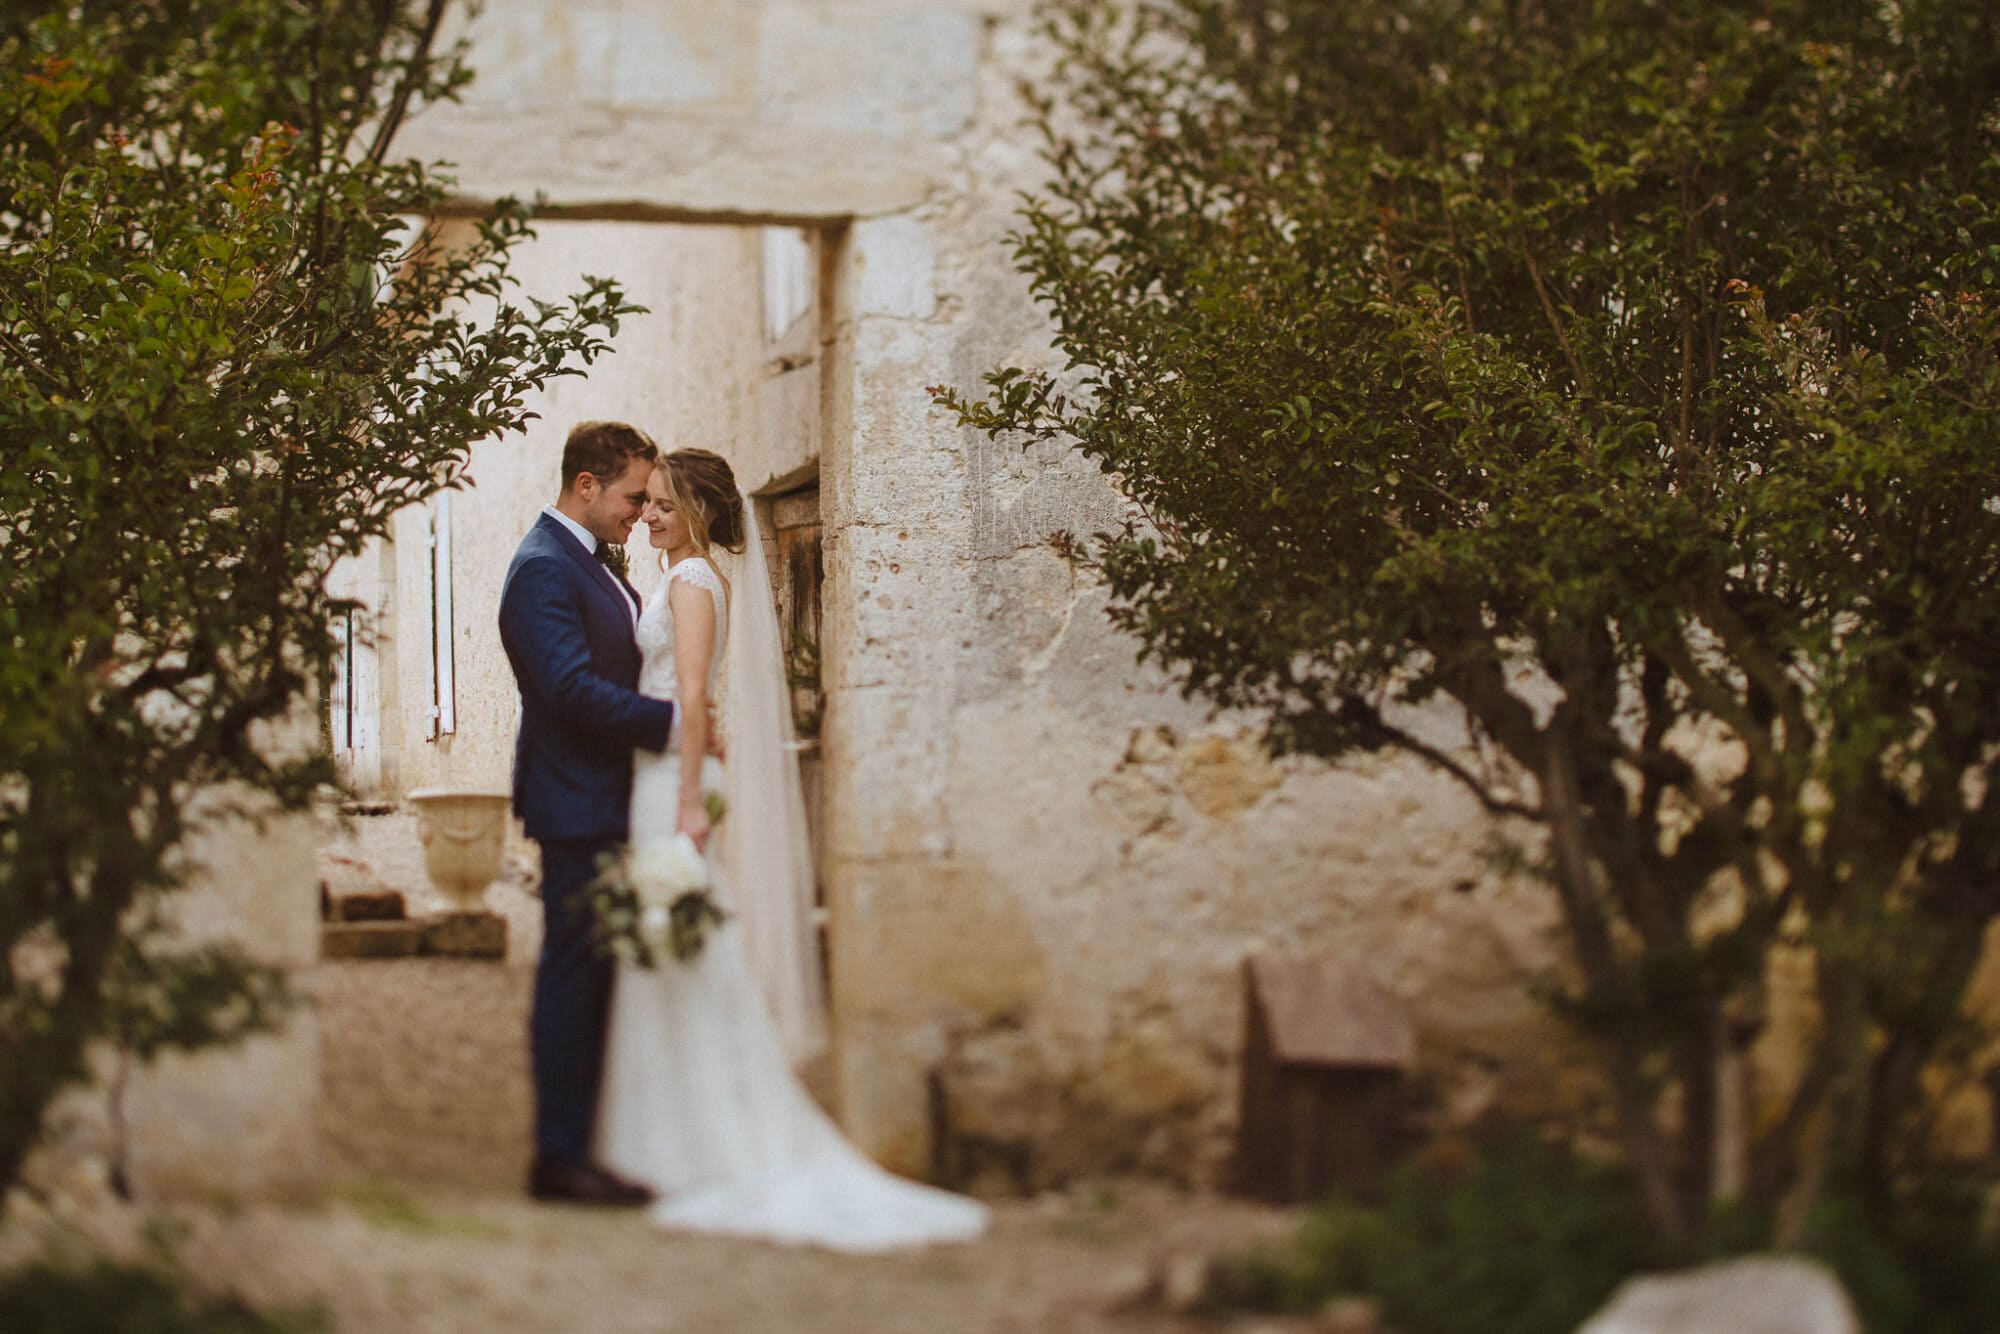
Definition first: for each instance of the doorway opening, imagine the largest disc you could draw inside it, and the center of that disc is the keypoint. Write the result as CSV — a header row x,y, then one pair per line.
x,y
732,356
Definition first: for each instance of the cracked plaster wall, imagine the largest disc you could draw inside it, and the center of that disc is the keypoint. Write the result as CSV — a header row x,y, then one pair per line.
x,y
1046,867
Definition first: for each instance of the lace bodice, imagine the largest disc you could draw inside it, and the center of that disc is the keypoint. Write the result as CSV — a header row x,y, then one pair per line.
x,y
657,675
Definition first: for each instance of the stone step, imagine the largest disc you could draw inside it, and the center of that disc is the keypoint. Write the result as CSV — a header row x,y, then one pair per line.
x,y
370,940
449,935
384,905
465,935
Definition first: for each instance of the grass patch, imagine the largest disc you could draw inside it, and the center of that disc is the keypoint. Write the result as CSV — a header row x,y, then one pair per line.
x,y
385,1205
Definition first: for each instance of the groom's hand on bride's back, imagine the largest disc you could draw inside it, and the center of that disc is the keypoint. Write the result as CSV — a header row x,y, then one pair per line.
x,y
716,745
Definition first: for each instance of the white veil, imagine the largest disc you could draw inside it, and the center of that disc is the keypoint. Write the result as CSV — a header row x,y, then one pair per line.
x,y
764,844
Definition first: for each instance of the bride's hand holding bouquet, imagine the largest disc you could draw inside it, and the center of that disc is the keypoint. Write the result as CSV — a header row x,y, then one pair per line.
x,y
659,898
694,824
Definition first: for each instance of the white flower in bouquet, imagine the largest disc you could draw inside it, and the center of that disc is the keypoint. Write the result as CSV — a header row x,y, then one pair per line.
x,y
662,871
654,901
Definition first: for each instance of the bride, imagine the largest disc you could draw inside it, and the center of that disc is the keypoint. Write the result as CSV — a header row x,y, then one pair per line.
x,y
699,1099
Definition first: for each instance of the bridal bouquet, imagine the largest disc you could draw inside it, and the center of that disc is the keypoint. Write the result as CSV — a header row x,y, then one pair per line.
x,y
653,900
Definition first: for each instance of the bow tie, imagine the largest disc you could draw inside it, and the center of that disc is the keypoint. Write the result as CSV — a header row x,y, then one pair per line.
x,y
610,557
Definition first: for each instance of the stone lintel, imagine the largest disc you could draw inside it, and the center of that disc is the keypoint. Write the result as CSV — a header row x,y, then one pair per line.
x,y
635,165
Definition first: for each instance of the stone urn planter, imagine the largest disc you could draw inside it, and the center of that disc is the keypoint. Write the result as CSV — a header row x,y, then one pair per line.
x,y
464,835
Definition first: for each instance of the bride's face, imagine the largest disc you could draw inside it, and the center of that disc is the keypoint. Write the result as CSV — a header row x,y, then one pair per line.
x,y
666,529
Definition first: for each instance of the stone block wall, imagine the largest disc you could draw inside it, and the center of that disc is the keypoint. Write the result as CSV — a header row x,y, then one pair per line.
x,y
231,1123
1043,867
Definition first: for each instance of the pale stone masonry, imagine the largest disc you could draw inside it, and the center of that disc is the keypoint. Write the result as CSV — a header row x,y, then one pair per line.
x,y
1043,868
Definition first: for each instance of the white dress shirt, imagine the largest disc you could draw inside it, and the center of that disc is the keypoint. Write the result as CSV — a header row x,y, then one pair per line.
x,y
589,540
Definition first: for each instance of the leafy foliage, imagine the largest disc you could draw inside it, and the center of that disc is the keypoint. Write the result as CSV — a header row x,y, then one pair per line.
x,y
1523,1238
113,1299
1930,1267
1618,379
227,355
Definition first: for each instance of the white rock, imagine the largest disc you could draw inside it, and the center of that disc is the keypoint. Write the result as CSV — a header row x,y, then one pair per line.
x,y
1760,1295
1184,1280
1129,1287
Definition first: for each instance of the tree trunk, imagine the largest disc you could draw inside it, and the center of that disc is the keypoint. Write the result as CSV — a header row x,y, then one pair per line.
x,y
41,1065
1576,877
1700,1103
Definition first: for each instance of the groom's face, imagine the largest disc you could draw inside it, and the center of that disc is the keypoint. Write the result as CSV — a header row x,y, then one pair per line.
x,y
610,508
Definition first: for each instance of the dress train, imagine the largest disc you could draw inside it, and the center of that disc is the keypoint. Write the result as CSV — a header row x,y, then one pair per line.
x,y
701,1103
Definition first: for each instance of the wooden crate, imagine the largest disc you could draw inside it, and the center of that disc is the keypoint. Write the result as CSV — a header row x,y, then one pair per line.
x,y
1326,1058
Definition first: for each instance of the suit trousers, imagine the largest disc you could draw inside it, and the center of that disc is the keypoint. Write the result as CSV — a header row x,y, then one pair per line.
x,y
571,1006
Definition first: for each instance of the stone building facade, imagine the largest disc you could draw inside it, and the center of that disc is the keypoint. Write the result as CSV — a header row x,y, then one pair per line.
x,y
1042,867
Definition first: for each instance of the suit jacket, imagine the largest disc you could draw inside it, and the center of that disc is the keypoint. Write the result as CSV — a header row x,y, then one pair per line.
x,y
567,629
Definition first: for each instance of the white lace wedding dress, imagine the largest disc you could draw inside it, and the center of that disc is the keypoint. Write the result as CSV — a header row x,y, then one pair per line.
x,y
699,1098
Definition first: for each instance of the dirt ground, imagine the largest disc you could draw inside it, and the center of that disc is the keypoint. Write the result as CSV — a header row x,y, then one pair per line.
x,y
424,1229
401,1260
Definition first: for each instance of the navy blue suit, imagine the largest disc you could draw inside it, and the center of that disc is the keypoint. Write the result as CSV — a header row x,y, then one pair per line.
x,y
567,627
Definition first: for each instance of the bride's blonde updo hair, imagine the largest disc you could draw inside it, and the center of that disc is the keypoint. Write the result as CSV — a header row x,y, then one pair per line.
x,y
702,487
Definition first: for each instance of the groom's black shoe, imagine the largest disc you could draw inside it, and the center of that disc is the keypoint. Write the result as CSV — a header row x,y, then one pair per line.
x,y
584,1183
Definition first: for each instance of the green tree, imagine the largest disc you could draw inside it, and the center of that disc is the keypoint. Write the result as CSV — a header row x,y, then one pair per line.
x,y
226,358
1619,376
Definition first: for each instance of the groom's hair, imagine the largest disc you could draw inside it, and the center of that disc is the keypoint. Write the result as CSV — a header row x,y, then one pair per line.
x,y
604,450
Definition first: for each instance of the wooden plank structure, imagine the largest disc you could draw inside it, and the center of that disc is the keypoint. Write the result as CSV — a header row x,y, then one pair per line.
x,y
1326,1057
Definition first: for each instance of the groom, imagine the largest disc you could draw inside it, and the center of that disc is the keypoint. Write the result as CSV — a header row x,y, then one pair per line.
x,y
566,621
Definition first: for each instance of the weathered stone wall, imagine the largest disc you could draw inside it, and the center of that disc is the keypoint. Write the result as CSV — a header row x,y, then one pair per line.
x,y
240,1122
1047,867
1043,867
230,1123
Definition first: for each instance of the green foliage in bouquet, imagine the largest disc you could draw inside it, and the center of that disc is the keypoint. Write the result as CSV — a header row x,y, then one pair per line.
x,y
227,357
1611,383
653,901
